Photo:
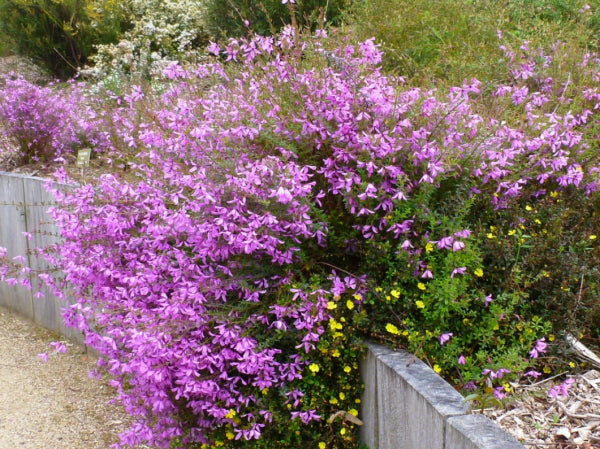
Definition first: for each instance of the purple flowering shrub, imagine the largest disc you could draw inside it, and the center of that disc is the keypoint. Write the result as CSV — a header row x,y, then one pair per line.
x,y
47,123
285,199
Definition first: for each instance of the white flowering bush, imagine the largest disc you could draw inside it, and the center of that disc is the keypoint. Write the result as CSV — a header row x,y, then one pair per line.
x,y
162,31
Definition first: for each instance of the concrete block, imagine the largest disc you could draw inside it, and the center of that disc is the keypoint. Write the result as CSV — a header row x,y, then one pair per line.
x,y
413,402
477,432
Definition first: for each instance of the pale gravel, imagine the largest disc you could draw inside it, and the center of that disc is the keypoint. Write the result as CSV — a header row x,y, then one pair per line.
x,y
53,405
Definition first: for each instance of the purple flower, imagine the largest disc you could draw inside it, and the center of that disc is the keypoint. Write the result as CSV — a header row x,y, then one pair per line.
x,y
500,392
562,389
488,300
462,360
457,245
532,373
406,245
445,243
539,348
444,338
459,270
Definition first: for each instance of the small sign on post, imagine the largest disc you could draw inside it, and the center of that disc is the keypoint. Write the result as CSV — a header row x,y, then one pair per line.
x,y
83,157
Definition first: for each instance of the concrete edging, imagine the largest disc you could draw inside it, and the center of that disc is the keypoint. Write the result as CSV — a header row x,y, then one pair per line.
x,y
406,405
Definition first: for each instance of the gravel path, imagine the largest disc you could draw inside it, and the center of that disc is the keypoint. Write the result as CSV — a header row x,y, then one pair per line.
x,y
53,405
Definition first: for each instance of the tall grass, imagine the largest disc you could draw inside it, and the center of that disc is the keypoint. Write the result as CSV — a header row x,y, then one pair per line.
x,y
444,42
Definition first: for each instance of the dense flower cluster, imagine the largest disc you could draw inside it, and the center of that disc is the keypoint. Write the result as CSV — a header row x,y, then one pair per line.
x,y
283,193
47,123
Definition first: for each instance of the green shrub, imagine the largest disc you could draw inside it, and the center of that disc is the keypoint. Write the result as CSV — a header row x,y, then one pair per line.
x,y
232,18
61,34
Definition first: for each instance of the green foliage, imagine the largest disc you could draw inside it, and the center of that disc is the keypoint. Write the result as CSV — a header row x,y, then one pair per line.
x,y
411,309
232,18
61,34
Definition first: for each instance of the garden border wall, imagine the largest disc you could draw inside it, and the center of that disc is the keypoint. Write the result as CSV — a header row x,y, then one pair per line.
x,y
23,209
405,405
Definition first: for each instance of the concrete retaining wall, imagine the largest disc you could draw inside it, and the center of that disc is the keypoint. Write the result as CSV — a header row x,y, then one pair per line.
x,y
23,205
406,405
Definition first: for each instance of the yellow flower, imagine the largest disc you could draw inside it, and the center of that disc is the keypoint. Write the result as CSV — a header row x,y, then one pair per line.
x,y
420,304
496,326
493,228
490,235
537,220
231,414
357,297
528,208
229,435
388,297
333,401
264,391
337,335
322,445
547,369
357,400
479,272
421,286
314,367
335,353
512,232
428,248
392,329
572,365
331,305
334,325
437,368
343,431
593,237
342,396
353,412
395,293
350,304
551,337
554,194
378,289
347,369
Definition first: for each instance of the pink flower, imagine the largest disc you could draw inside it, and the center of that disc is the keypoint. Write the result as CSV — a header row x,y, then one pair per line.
x,y
459,270
445,243
44,357
457,246
500,392
540,348
406,245
444,338
462,360
562,389
532,373
488,300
